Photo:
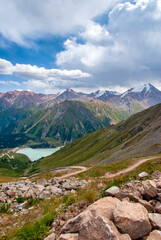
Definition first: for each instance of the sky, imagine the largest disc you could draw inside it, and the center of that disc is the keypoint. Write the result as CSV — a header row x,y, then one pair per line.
x,y
48,46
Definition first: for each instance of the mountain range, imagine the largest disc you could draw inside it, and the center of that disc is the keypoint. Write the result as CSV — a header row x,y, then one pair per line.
x,y
55,119
138,136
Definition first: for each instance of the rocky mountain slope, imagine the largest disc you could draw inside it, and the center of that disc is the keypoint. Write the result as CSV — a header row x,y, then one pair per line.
x,y
139,135
68,115
19,99
68,120
132,212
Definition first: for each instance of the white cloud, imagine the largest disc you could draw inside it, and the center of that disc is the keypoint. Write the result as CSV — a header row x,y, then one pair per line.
x,y
5,67
24,20
127,51
40,77
34,72
10,83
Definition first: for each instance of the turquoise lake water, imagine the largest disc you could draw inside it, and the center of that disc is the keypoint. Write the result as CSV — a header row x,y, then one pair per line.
x,y
35,154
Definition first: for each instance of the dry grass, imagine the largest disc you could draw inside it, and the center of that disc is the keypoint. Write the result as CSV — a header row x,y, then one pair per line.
x,y
4,179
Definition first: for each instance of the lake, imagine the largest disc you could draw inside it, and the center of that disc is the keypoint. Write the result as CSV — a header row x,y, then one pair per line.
x,y
35,154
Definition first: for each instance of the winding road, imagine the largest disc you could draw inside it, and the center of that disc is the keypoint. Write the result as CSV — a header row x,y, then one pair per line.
x,y
130,168
107,175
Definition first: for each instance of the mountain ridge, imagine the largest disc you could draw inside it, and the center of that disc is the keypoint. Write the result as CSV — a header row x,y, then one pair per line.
x,y
66,116
138,136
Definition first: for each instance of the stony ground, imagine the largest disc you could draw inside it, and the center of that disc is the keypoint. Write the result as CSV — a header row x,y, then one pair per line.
x,y
130,212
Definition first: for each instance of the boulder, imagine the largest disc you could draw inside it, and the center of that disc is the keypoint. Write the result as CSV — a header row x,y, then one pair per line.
x,y
104,207
44,194
51,237
11,193
156,175
100,228
147,205
154,235
157,207
41,182
68,237
150,188
112,191
39,187
55,190
155,220
132,218
73,225
143,175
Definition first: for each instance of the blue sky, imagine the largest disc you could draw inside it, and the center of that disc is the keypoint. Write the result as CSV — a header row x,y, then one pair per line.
x,y
48,46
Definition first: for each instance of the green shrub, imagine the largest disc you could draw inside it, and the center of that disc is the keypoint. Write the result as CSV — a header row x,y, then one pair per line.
x,y
20,199
4,207
36,231
31,201
69,199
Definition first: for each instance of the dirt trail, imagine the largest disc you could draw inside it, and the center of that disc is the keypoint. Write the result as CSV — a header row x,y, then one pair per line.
x,y
82,169
107,175
130,168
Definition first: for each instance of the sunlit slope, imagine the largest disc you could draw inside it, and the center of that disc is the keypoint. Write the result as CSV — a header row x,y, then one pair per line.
x,y
140,135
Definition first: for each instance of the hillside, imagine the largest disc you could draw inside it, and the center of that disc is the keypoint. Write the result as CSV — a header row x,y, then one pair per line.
x,y
13,164
47,120
70,119
140,135
61,121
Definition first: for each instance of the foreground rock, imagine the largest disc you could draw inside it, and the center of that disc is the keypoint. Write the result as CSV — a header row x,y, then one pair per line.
x,y
155,220
101,228
155,235
68,237
112,191
131,212
132,218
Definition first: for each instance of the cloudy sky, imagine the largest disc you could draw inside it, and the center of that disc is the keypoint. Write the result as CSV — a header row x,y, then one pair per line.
x,y
47,46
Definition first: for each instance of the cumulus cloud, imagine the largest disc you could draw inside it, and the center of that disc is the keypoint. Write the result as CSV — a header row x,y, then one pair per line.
x,y
126,51
21,21
5,67
40,77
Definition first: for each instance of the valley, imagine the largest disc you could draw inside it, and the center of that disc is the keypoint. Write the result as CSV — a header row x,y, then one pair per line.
x,y
108,146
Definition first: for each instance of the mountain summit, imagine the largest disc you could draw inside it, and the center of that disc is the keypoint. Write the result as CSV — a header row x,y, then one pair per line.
x,y
146,93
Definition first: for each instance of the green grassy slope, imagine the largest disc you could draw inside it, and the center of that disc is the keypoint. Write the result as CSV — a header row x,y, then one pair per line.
x,y
72,119
140,135
13,167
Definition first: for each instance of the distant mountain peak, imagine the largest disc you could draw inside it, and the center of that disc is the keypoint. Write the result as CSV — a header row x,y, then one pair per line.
x,y
142,89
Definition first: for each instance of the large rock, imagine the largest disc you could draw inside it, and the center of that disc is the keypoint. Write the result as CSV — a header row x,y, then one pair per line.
x,y
103,207
44,194
73,225
100,228
112,191
68,236
41,182
132,218
143,175
146,204
11,193
155,220
51,237
154,235
158,207
55,190
150,188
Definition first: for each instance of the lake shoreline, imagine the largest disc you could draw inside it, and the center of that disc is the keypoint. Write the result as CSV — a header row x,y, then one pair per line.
x,y
38,153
